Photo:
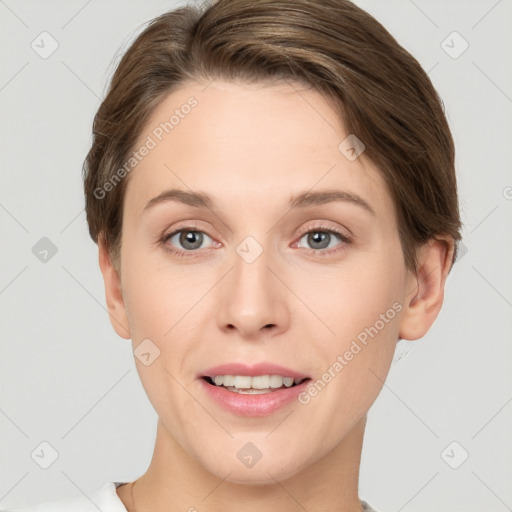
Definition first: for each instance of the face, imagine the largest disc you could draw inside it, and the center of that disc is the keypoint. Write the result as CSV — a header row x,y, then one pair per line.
x,y
296,261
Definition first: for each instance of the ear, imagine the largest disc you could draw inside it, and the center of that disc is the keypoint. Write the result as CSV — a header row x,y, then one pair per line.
x,y
425,291
113,292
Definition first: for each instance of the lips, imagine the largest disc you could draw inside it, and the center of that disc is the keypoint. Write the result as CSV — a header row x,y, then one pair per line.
x,y
258,400
252,371
251,404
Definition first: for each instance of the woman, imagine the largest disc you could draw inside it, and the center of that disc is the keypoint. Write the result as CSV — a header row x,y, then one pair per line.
x,y
271,186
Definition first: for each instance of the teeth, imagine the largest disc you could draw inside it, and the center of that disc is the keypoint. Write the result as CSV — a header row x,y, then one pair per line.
x,y
227,380
250,391
240,382
288,382
257,383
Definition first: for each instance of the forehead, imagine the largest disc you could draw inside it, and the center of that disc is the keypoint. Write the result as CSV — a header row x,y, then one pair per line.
x,y
250,143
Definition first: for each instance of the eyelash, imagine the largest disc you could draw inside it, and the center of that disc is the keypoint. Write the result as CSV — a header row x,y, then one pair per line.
x,y
315,252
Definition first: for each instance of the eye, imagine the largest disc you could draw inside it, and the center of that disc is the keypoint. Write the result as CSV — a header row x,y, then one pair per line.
x,y
320,239
189,239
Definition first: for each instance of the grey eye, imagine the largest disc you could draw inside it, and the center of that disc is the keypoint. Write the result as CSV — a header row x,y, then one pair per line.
x,y
320,239
189,239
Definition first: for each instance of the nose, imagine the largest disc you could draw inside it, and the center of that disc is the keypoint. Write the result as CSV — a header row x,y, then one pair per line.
x,y
253,299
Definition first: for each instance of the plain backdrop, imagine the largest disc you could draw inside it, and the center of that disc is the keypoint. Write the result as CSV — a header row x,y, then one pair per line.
x,y
438,436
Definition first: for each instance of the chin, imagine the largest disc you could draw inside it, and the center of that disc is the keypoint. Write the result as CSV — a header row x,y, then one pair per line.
x,y
263,476
264,471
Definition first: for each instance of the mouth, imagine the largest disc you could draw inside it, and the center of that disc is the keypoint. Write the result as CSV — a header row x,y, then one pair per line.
x,y
254,385
252,390
253,395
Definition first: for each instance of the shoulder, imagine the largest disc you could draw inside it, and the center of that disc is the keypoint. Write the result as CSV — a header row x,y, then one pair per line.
x,y
104,498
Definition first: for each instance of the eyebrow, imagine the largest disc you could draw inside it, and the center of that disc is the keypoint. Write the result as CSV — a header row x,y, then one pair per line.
x,y
303,200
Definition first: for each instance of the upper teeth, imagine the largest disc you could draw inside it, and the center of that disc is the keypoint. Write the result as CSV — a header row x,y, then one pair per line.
x,y
258,382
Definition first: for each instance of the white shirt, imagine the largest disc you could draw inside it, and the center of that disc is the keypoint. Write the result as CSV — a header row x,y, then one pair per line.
x,y
105,499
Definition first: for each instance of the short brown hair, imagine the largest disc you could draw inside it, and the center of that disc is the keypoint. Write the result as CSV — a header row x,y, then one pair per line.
x,y
382,94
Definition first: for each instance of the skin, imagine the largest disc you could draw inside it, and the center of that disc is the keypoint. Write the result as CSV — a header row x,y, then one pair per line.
x,y
253,147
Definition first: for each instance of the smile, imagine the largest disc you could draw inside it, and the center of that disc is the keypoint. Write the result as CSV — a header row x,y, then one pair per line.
x,y
252,385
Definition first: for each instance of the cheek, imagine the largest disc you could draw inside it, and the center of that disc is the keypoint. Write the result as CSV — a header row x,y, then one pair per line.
x,y
153,291
361,306
160,314
363,311
351,299
170,306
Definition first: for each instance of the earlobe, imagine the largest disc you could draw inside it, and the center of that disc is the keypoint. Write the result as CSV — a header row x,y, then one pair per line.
x,y
113,293
426,289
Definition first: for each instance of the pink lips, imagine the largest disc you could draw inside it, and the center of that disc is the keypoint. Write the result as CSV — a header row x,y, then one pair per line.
x,y
252,405
252,371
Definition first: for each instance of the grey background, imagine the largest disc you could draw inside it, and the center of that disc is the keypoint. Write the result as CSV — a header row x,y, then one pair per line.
x,y
67,378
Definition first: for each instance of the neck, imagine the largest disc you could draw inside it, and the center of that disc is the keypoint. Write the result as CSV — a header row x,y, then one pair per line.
x,y
175,482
